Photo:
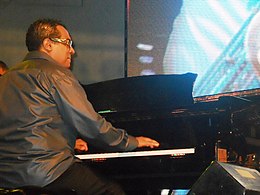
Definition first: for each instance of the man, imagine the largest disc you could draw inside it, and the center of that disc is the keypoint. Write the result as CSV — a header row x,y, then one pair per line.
x,y
43,109
3,68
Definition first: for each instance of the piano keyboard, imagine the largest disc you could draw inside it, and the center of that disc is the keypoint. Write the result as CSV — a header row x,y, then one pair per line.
x,y
172,152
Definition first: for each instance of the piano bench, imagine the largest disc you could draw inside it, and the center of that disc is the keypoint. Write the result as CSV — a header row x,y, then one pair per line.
x,y
34,190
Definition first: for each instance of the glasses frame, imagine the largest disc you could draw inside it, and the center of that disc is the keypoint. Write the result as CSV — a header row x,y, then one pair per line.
x,y
66,42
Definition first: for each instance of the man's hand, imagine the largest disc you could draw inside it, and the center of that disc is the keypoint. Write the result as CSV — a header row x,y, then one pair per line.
x,y
147,142
81,145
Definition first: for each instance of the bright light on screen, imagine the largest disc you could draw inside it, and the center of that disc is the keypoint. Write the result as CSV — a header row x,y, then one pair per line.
x,y
217,39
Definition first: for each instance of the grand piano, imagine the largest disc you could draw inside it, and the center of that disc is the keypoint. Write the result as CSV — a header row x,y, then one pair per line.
x,y
162,107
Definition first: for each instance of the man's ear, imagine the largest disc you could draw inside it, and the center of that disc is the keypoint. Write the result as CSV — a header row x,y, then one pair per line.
x,y
47,45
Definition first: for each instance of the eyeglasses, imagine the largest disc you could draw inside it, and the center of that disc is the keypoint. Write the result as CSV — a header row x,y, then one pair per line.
x,y
67,42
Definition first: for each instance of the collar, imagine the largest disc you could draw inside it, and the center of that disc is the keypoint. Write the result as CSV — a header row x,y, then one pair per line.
x,y
38,55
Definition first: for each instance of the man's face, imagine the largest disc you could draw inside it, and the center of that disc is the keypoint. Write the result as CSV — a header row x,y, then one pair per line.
x,y
62,52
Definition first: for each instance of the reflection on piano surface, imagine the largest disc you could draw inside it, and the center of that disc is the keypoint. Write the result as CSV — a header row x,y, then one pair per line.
x,y
162,107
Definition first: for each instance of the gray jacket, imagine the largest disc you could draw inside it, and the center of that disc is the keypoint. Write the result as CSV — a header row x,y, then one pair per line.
x,y
43,109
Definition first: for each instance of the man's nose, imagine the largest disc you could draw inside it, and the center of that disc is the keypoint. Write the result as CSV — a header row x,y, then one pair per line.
x,y
72,51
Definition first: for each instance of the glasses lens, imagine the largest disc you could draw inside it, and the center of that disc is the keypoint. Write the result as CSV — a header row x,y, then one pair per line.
x,y
69,42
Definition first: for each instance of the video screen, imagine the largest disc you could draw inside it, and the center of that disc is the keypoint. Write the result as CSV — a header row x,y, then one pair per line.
x,y
217,39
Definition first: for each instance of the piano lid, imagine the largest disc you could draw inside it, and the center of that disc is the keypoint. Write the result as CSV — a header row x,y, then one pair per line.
x,y
142,92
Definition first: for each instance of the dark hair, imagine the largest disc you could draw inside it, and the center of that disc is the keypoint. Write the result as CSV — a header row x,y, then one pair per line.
x,y
40,30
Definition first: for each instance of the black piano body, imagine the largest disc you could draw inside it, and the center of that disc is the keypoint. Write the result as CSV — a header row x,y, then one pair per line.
x,y
162,107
